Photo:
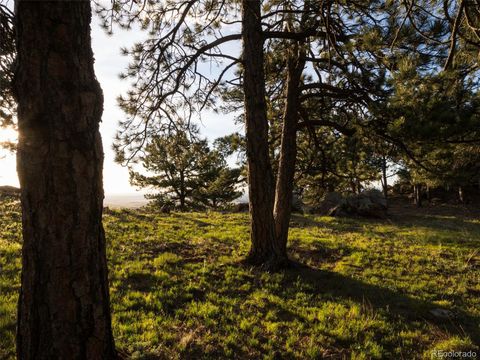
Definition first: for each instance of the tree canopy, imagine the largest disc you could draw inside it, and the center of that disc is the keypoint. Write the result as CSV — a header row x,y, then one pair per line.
x,y
186,173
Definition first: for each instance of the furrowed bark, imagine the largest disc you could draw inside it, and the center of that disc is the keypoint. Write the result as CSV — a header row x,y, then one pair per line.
x,y
288,147
264,250
63,310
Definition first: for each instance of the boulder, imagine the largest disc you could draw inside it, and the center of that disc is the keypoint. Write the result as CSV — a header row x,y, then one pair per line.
x,y
369,203
240,207
166,208
297,204
329,201
442,313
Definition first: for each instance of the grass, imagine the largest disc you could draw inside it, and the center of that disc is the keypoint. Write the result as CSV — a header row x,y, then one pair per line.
x,y
179,289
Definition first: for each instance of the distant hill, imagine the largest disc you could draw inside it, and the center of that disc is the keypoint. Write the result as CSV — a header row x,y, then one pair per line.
x,y
130,201
8,190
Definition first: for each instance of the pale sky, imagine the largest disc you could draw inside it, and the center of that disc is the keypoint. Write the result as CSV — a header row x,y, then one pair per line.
x,y
108,64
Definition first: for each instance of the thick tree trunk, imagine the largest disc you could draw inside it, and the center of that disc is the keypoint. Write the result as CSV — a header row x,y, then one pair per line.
x,y
63,308
264,250
288,148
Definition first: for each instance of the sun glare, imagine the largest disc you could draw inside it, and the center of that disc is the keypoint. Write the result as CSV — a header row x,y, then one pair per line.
x,y
8,171
8,135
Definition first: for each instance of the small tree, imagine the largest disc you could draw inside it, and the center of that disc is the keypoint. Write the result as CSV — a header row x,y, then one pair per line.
x,y
219,187
187,173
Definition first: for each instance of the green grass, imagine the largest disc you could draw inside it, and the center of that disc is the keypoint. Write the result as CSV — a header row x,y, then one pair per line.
x,y
179,289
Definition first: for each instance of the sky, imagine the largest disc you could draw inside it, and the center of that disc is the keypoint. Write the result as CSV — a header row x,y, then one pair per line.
x,y
108,64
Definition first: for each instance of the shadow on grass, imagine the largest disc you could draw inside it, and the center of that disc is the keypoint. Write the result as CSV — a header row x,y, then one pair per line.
x,y
398,304
397,307
437,224
127,215
405,311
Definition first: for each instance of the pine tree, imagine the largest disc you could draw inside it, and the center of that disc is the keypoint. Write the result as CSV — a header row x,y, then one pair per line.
x,y
63,310
186,172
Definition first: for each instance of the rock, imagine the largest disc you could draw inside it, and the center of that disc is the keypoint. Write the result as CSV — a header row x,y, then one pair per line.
x,y
376,197
241,207
370,203
297,204
340,210
330,201
442,313
166,209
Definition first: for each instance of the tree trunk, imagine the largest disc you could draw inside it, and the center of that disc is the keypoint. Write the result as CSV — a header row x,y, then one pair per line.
x,y
384,178
182,192
461,195
417,195
288,147
353,186
63,310
264,250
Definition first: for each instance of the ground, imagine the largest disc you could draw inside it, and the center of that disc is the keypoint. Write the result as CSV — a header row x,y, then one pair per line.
x,y
398,288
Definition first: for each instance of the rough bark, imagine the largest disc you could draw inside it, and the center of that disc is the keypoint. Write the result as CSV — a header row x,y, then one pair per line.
x,y
288,147
264,250
63,310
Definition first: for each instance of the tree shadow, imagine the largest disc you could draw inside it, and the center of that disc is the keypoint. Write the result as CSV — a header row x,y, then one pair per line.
x,y
184,216
398,305
337,225
126,215
437,224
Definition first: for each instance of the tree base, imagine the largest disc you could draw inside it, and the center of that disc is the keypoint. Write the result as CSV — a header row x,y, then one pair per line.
x,y
268,262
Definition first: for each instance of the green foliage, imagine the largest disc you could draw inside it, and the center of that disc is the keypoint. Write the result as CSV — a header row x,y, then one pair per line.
x,y
436,116
233,144
7,62
344,164
179,290
186,172
219,186
179,68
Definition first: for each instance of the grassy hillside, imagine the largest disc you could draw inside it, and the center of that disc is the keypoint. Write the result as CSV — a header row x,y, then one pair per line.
x,y
392,289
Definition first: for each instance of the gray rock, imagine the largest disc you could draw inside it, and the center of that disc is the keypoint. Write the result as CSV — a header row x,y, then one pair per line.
x,y
240,207
297,204
330,201
442,313
370,203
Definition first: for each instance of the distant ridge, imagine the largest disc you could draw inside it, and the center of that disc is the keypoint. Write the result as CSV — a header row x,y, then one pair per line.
x,y
130,201
7,190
